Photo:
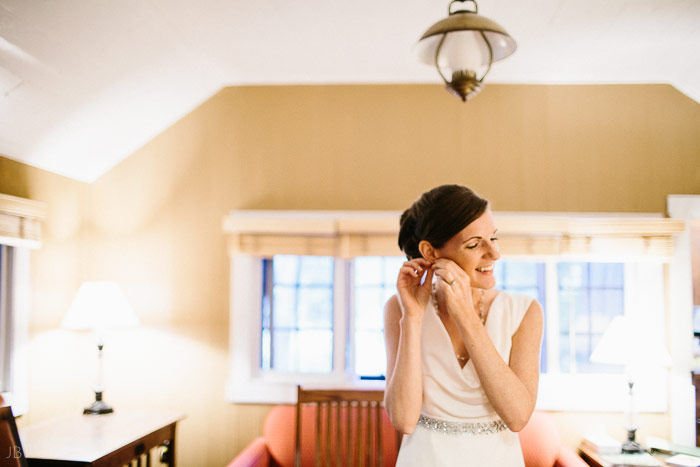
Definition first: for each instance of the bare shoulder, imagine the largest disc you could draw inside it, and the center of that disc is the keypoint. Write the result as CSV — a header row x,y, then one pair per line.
x,y
534,309
533,320
392,310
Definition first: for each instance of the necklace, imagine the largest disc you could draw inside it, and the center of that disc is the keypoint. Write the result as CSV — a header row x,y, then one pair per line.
x,y
482,316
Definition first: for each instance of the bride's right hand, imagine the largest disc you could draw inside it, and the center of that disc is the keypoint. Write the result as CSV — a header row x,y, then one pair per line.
x,y
414,294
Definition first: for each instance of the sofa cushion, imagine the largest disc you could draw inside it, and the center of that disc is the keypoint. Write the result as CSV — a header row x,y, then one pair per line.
x,y
540,441
278,430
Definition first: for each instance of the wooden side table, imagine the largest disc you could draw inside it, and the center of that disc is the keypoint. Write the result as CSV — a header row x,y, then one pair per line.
x,y
110,440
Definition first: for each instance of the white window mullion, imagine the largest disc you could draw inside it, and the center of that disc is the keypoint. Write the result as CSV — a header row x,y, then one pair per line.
x,y
340,317
552,303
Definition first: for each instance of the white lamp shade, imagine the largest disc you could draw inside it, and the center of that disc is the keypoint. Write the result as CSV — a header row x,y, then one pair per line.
x,y
628,342
99,305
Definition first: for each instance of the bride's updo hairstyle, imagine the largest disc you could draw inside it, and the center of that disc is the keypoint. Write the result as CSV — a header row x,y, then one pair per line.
x,y
437,216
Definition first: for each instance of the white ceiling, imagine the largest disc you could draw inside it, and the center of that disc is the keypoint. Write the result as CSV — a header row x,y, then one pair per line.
x,y
85,83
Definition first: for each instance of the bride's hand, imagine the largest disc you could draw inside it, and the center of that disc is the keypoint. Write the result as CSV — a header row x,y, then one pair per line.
x,y
414,294
455,286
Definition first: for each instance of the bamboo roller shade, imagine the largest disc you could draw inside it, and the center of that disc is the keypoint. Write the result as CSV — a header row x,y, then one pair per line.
x,y
347,234
20,221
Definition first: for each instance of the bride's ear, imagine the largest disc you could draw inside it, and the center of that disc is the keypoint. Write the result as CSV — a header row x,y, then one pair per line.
x,y
427,250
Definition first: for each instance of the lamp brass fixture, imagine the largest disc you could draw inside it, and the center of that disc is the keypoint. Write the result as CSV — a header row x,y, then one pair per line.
x,y
464,46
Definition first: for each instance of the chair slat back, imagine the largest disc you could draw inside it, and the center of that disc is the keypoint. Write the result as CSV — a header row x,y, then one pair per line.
x,y
349,425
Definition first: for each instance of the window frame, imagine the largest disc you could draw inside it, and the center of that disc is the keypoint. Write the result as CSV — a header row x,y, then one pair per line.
x,y
248,382
21,230
573,391
15,316
532,236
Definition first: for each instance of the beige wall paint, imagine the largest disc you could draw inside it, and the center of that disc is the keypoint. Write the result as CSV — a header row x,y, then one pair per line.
x,y
153,223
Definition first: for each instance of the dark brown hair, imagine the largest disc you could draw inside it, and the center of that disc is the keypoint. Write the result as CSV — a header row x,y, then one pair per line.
x,y
437,216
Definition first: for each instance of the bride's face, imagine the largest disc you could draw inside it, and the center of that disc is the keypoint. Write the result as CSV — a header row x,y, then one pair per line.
x,y
475,250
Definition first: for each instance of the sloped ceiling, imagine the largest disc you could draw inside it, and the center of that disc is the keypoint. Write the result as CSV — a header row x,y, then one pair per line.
x,y
83,84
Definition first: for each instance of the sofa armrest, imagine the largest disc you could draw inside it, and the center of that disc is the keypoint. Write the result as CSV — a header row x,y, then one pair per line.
x,y
568,458
256,454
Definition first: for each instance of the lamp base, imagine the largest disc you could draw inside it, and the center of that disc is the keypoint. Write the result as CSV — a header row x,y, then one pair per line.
x,y
99,407
631,446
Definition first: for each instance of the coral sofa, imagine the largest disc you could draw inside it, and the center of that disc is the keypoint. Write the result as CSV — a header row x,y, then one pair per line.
x,y
540,440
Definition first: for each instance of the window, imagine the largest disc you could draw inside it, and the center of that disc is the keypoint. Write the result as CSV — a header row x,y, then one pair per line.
x,y
14,292
374,282
297,314
5,317
297,311
308,291
20,220
525,278
590,296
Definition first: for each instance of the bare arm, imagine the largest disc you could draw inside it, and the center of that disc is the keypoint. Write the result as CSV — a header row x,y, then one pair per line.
x,y
511,389
403,318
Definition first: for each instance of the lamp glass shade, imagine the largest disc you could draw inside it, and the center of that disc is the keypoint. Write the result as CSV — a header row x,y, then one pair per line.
x,y
99,305
465,44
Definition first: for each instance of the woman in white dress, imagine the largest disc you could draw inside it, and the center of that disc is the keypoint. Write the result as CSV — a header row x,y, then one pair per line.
x,y
462,358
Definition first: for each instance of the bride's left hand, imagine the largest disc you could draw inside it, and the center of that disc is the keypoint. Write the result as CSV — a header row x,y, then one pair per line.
x,y
455,286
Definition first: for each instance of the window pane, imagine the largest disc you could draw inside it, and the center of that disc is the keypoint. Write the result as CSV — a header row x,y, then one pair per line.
x,y
572,275
607,275
297,312
583,351
573,308
387,293
498,274
284,306
284,360
590,296
286,269
368,270
266,348
303,351
369,308
316,270
564,352
370,353
520,274
374,282
315,351
605,305
392,264
530,292
524,278
315,309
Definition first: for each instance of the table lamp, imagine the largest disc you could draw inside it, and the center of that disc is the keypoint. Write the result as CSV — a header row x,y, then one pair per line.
x,y
626,342
98,306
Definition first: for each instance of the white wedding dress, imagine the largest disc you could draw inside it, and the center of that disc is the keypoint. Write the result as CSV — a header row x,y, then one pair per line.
x,y
458,425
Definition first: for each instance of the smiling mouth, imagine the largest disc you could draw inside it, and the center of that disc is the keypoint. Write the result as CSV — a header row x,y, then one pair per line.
x,y
485,269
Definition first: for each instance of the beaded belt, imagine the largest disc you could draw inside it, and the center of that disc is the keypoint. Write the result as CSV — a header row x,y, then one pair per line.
x,y
461,428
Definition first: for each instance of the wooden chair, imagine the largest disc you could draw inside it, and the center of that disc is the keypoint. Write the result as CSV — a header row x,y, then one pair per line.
x,y
351,427
11,454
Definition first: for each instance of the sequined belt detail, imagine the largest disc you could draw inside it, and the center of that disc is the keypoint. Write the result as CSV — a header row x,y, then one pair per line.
x,y
461,428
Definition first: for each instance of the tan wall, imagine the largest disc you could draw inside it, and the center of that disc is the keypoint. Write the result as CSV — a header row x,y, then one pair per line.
x,y
154,222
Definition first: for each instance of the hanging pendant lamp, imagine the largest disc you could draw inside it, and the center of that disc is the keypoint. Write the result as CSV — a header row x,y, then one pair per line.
x,y
463,46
